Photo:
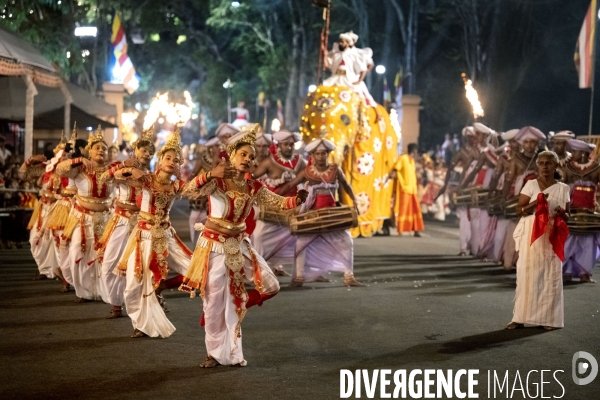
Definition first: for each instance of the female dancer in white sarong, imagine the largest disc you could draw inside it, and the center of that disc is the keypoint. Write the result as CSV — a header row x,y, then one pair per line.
x,y
540,238
224,256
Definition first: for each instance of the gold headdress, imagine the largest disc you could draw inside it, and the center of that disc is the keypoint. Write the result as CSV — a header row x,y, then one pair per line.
x,y
95,138
147,135
249,139
62,144
173,143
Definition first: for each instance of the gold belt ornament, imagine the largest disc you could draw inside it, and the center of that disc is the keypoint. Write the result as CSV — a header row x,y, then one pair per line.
x,y
94,200
227,224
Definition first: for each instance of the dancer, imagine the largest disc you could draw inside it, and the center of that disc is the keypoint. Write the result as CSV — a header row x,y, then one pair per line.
x,y
540,239
224,257
111,245
272,240
317,254
153,247
88,216
44,248
582,174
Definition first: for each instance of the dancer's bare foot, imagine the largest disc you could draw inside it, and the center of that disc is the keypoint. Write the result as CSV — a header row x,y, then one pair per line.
x,y
209,363
66,288
161,301
40,277
549,328
514,325
115,313
418,234
279,271
297,283
138,334
351,281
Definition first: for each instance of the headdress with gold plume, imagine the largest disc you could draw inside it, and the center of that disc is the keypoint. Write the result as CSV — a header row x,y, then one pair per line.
x,y
249,139
173,143
147,135
95,138
62,144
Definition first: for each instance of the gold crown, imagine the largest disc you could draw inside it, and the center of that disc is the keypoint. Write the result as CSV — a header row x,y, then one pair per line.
x,y
249,139
95,138
73,134
147,135
173,143
62,144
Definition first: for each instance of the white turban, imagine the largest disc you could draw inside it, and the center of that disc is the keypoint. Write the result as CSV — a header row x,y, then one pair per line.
x,y
283,135
509,135
562,135
479,127
349,36
263,138
580,145
468,131
225,129
319,144
212,141
236,137
529,132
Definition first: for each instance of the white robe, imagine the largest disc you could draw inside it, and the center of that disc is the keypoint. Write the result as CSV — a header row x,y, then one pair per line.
x,y
43,244
539,294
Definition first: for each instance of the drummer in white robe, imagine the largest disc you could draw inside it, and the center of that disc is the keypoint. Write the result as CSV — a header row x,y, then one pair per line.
x,y
539,294
349,66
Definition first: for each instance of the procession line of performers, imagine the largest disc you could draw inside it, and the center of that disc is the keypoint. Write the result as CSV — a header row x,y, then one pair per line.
x,y
511,174
104,230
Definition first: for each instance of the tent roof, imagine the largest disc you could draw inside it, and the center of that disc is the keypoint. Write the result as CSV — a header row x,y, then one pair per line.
x,y
51,102
15,48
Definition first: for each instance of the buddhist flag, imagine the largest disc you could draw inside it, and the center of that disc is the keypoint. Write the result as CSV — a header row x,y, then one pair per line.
x,y
398,98
584,50
123,70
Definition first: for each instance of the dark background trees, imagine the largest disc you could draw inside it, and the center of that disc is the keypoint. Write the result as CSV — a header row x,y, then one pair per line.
x,y
519,54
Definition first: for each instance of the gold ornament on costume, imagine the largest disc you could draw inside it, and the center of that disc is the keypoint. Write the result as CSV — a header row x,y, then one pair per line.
x,y
147,135
95,138
173,144
62,144
249,139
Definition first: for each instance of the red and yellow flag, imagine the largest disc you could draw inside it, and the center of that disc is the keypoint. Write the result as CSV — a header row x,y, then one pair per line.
x,y
584,51
123,70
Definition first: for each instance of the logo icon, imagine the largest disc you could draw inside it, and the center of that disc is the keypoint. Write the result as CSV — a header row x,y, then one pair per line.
x,y
581,367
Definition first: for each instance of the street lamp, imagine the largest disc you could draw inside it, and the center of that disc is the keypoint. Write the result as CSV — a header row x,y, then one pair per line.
x,y
380,69
312,88
86,31
235,4
228,85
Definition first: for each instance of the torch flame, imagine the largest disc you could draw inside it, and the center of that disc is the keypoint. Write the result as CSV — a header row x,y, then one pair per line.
x,y
275,125
174,113
473,98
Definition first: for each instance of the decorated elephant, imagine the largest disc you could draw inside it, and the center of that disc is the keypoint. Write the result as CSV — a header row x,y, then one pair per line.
x,y
366,148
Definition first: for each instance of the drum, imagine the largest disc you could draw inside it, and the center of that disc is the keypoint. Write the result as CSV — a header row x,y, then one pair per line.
x,y
278,217
479,197
495,206
462,198
324,220
510,207
583,222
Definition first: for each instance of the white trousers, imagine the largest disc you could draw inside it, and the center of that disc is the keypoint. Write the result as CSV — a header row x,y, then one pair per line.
x,y
220,315
142,305
113,285
465,229
43,245
196,216
319,254
274,243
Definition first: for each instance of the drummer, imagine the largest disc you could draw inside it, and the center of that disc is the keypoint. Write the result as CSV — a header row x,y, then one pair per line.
x,y
521,168
319,253
271,240
461,160
479,177
559,146
506,153
582,174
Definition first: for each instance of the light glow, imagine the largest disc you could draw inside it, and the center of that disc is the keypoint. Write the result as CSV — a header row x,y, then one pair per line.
x,y
380,69
275,125
173,113
312,88
86,31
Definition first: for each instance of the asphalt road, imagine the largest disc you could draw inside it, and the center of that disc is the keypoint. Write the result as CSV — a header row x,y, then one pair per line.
x,y
424,308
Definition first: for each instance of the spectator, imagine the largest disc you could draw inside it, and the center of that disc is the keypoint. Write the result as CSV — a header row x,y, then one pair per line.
x,y
4,152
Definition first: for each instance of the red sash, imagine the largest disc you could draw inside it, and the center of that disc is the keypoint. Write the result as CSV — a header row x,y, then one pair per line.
x,y
560,230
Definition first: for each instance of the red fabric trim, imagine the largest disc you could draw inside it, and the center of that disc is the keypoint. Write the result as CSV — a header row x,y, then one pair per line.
x,y
323,200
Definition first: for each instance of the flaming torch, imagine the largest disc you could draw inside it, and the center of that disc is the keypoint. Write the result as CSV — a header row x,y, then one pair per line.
x,y
472,96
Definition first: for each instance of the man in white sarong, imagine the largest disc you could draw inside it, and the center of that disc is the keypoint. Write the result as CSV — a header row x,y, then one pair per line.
x,y
319,253
522,167
271,240
510,147
540,242
582,174
349,66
